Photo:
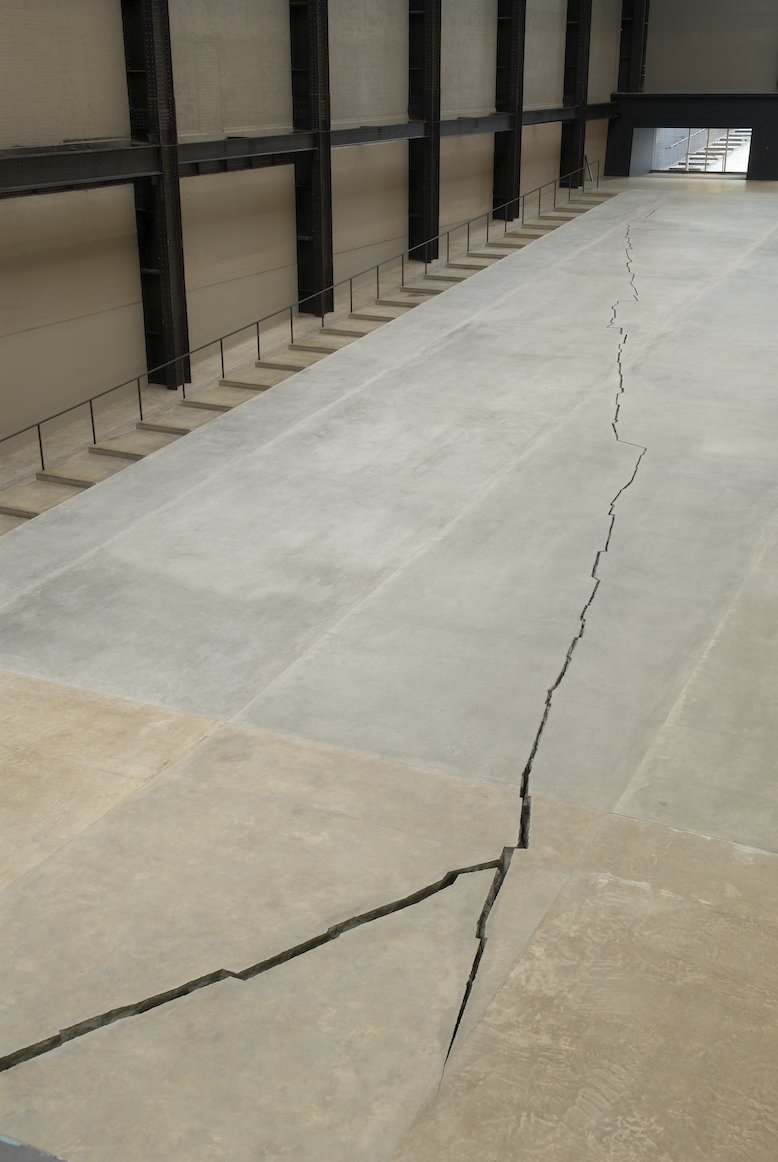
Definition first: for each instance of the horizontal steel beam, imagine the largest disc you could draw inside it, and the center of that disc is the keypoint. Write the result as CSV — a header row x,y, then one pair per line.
x,y
568,113
236,153
80,166
46,170
462,126
373,134
727,110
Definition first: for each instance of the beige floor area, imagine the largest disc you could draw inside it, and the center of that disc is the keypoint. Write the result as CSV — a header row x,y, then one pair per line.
x,y
639,1022
268,696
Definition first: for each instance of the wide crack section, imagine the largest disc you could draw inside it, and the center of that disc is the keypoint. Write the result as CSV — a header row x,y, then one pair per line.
x,y
124,1012
523,837
499,865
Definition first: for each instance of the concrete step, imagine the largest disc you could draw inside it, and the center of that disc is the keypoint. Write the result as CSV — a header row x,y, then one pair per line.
x,y
443,277
591,199
29,500
532,230
178,422
377,314
253,378
421,289
561,216
8,523
494,255
405,303
223,398
83,471
290,361
366,328
134,445
510,242
464,264
324,343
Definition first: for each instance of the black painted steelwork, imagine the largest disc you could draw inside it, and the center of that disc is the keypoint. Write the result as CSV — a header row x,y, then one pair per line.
x,y
576,83
634,40
509,100
308,22
755,111
52,169
424,30
149,68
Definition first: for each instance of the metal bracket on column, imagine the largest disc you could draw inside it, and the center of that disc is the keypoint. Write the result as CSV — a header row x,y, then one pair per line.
x,y
424,105
308,23
576,86
509,98
157,199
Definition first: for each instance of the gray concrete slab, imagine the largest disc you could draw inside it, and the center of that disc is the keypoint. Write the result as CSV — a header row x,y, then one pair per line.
x,y
373,574
328,1057
248,846
628,1028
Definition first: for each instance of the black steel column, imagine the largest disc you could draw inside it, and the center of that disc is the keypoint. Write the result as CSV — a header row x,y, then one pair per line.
x,y
509,98
634,40
157,199
763,159
424,105
576,85
632,75
308,21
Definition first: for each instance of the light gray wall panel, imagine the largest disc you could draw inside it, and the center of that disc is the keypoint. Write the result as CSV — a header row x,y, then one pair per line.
x,y
70,317
712,46
466,177
604,49
231,66
369,205
368,62
468,57
239,248
61,71
544,61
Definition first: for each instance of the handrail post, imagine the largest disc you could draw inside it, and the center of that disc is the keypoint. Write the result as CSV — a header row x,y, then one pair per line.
x,y
377,281
291,324
598,174
140,400
402,270
40,447
351,295
487,229
259,353
555,189
92,420
523,200
468,237
221,353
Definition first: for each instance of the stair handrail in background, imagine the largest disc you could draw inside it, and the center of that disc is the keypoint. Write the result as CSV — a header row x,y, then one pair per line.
x,y
519,202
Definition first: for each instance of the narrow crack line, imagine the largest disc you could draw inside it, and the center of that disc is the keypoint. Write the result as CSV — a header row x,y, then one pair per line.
x,y
523,836
124,1012
498,880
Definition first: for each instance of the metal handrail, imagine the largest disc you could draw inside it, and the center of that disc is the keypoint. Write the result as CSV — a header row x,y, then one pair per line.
x,y
519,201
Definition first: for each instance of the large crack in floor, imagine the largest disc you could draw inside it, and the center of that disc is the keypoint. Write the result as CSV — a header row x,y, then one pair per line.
x,y
522,841
499,865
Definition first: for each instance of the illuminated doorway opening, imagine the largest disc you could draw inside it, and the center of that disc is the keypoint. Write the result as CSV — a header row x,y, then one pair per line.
x,y
702,151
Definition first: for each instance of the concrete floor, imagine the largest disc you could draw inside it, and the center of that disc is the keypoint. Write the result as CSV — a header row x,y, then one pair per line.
x,y
267,700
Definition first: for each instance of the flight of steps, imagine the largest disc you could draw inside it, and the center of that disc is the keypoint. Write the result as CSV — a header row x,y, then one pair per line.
x,y
712,157
99,461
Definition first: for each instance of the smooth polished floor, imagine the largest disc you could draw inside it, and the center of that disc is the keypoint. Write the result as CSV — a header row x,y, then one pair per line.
x,y
267,698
